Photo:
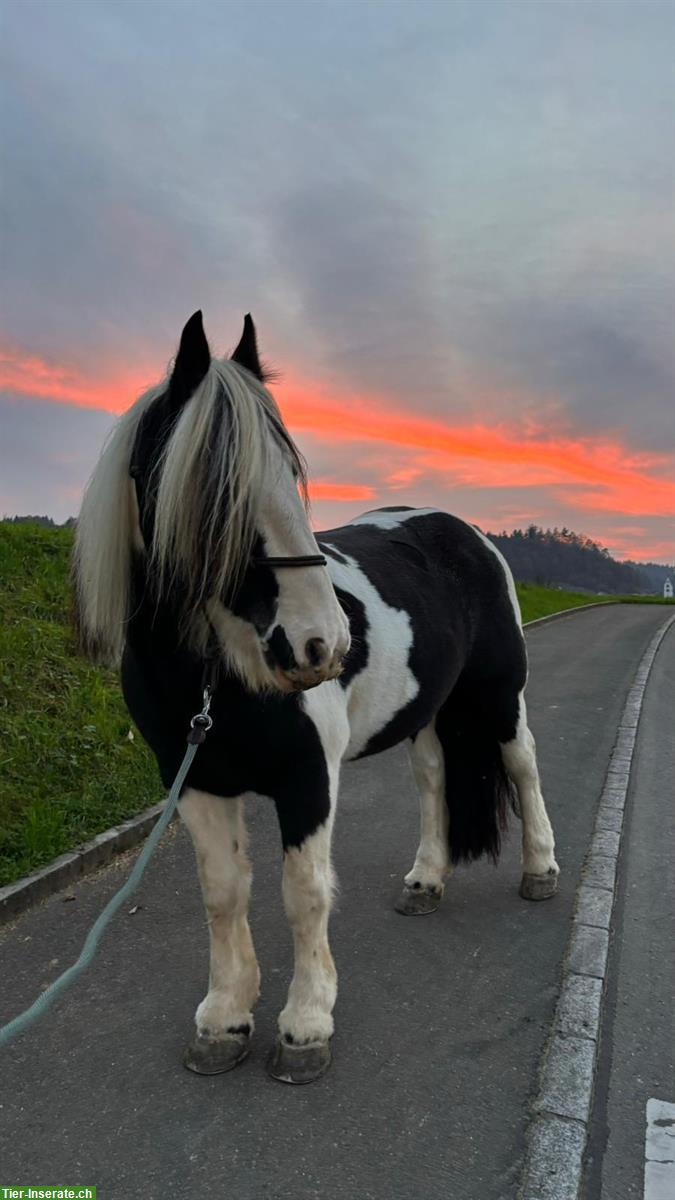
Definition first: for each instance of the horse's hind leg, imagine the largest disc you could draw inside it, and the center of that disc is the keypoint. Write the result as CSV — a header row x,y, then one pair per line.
x,y
424,884
540,870
224,1019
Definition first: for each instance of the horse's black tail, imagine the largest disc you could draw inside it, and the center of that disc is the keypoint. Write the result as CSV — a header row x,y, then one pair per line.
x,y
478,791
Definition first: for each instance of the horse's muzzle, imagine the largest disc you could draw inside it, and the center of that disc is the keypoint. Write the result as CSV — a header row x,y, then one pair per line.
x,y
301,679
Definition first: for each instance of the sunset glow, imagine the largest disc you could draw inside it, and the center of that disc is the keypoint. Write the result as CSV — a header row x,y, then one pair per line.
x,y
589,475
324,489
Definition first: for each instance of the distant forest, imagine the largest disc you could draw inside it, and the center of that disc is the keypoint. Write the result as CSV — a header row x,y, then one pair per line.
x,y
554,558
69,524
561,558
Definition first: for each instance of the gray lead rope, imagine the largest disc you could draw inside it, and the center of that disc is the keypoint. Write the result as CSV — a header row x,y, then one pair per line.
x,y
199,727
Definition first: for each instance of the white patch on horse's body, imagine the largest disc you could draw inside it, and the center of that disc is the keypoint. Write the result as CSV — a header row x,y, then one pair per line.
x,y
219,836
386,683
390,520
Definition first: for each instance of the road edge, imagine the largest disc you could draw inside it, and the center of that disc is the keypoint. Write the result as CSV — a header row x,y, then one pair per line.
x,y
566,612
558,1131
16,897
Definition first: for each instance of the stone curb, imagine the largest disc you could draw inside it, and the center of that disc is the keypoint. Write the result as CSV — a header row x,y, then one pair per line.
x,y
554,1160
18,896
23,893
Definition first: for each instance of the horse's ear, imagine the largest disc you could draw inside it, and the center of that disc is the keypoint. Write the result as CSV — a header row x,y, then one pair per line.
x,y
246,353
192,362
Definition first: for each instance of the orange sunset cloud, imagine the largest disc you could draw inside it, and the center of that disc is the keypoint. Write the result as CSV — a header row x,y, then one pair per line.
x,y
324,489
587,473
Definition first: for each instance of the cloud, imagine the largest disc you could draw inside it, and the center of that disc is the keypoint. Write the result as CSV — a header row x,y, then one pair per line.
x,y
452,227
47,453
362,448
615,477
326,489
30,375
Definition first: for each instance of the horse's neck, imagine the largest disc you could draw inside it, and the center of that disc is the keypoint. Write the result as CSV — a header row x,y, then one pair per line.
x,y
157,644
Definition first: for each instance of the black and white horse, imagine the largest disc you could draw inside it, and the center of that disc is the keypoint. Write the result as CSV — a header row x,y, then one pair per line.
x,y
410,629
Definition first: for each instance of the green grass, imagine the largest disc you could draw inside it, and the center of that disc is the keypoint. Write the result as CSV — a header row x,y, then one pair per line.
x,y
68,769
537,601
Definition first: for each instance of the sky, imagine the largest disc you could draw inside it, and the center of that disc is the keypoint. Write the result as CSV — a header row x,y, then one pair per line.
x,y
452,222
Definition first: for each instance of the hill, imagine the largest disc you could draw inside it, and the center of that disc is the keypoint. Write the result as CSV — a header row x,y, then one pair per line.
x,y
559,557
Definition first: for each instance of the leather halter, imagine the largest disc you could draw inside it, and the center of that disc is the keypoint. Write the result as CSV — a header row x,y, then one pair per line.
x,y
300,560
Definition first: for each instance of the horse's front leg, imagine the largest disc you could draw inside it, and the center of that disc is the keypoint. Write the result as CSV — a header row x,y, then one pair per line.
x,y
306,817
224,1018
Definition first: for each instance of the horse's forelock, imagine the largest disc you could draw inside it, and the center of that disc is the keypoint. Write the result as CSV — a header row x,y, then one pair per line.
x,y
209,480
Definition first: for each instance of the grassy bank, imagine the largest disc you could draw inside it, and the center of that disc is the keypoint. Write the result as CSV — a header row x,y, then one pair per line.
x,y
68,765
537,601
68,768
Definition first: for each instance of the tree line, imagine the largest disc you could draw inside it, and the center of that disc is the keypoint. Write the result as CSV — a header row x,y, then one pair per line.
x,y
562,558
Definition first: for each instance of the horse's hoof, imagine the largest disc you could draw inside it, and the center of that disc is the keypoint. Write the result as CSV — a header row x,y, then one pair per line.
x,y
539,887
298,1064
210,1056
415,902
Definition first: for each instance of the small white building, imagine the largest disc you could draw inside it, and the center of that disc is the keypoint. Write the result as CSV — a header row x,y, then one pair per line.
x,y
667,590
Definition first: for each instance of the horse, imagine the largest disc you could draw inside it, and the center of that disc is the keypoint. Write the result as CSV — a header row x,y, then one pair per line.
x,y
194,555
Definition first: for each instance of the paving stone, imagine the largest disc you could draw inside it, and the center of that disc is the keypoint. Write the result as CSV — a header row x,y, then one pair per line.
x,y
609,818
588,950
578,1011
567,1078
599,871
613,797
605,842
594,906
554,1160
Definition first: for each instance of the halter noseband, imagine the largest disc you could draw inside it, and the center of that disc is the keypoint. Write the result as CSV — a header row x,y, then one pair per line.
x,y
300,560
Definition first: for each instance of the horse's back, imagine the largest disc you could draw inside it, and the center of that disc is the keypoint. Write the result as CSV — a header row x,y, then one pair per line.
x,y
431,603
432,564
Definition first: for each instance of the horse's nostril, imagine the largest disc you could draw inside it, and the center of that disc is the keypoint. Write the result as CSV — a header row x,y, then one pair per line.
x,y
316,650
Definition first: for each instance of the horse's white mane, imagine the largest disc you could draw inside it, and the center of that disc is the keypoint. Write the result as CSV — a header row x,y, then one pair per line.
x,y
208,481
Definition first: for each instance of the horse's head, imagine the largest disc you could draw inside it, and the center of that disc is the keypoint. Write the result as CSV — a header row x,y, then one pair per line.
x,y
218,488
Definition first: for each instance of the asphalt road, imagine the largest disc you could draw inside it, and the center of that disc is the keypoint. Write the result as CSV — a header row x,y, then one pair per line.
x,y
637,1049
440,1021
